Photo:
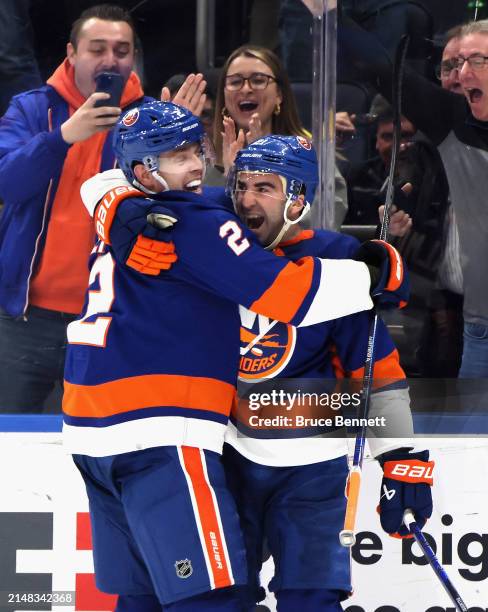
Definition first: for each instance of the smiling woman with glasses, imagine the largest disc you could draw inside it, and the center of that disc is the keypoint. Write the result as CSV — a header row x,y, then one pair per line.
x,y
253,81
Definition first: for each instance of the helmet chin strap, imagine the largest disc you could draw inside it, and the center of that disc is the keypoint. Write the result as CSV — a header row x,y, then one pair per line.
x,y
287,222
150,167
150,163
140,186
160,180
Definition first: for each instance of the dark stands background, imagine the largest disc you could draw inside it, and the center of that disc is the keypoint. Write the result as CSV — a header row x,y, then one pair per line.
x,y
166,29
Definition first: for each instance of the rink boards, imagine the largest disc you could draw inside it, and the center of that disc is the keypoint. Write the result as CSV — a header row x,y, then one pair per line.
x,y
45,537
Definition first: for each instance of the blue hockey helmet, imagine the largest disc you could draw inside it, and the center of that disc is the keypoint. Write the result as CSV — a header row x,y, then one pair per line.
x,y
292,157
150,129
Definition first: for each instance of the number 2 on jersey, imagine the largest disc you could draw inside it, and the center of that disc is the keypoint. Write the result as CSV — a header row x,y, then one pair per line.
x,y
233,232
94,333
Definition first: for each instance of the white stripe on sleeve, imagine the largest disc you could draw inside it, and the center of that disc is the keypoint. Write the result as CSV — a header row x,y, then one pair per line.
x,y
343,290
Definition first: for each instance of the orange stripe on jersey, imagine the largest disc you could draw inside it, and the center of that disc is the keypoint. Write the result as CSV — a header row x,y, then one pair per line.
x,y
206,514
285,296
148,391
303,235
386,371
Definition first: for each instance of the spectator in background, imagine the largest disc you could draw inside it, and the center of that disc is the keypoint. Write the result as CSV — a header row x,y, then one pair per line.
x,y
255,92
447,72
441,348
424,206
440,351
51,140
458,128
418,164
254,98
18,65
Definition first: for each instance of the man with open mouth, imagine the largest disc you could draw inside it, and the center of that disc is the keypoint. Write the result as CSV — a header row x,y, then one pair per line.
x,y
458,126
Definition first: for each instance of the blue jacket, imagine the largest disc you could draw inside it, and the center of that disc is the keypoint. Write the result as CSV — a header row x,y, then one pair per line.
x,y
32,154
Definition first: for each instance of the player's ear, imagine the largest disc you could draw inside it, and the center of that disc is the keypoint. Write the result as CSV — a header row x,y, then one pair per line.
x,y
295,209
143,176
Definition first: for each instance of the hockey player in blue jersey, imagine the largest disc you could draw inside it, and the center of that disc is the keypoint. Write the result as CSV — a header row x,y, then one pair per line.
x,y
152,363
289,483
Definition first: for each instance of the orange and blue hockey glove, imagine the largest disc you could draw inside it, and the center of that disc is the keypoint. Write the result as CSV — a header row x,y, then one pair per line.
x,y
407,483
138,242
390,287
123,218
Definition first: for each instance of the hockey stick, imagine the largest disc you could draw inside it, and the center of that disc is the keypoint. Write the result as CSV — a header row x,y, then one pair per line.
x,y
409,520
346,536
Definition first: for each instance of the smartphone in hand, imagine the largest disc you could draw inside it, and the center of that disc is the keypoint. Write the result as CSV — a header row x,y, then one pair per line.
x,y
111,83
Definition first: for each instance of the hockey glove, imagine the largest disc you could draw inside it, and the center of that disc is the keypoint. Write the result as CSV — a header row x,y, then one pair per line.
x,y
390,285
137,242
407,482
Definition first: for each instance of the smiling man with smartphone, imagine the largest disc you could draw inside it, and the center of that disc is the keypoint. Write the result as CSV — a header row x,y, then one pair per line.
x,y
51,140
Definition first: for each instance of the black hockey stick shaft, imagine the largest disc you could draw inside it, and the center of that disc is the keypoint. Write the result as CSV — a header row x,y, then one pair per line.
x,y
397,132
346,536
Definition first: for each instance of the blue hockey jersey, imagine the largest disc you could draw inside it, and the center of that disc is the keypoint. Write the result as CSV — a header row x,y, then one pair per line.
x,y
153,360
297,356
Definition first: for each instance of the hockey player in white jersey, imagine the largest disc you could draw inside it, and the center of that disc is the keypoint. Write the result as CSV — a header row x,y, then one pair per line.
x,y
288,476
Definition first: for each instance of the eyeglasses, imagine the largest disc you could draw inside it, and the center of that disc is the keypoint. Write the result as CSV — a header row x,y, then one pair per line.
x,y
257,81
476,62
445,68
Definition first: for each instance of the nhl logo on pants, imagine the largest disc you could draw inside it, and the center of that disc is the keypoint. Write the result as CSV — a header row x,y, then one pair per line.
x,y
183,568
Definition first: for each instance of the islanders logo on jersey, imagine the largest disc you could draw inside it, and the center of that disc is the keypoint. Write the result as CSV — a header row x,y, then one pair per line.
x,y
131,117
266,346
